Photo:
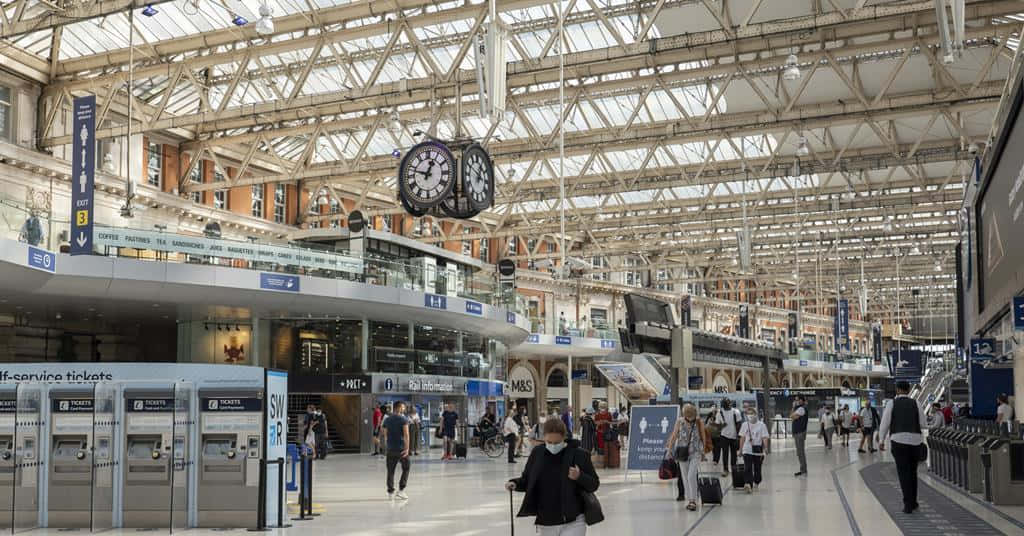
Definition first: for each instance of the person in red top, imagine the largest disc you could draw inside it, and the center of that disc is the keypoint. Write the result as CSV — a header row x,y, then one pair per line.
x,y
378,416
947,413
603,419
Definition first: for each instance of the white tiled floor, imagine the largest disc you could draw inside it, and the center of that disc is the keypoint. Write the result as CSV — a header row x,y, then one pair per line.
x,y
465,498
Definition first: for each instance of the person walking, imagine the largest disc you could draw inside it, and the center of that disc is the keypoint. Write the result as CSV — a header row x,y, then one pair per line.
x,y
1004,412
754,444
729,420
828,426
449,418
868,422
320,429
588,431
414,430
556,476
567,420
395,431
846,421
947,414
799,417
378,416
935,418
686,446
901,423
510,431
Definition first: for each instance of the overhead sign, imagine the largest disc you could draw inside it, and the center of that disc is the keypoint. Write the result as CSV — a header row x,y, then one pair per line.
x,y
149,405
627,379
40,259
285,283
533,338
908,365
607,343
510,317
521,383
685,311
72,405
356,222
507,273
276,438
744,325
649,430
435,301
983,349
1018,313
353,383
843,325
876,343
474,308
83,173
561,339
228,249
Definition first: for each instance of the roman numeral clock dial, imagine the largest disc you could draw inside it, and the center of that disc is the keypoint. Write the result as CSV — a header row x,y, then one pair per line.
x,y
426,175
478,177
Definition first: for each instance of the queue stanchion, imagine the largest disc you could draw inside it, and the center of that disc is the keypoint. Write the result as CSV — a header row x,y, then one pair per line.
x,y
281,493
303,481
261,505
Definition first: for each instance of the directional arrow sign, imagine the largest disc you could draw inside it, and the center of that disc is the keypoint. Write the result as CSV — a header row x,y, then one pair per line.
x,y
83,166
1018,313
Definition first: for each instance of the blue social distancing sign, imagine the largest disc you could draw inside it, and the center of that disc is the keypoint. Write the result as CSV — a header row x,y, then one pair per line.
x,y
649,430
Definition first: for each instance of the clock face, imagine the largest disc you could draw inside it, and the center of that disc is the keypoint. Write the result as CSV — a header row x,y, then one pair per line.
x,y
478,177
427,174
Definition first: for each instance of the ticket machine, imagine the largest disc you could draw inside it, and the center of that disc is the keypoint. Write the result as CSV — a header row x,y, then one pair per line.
x,y
8,472
150,457
230,452
70,468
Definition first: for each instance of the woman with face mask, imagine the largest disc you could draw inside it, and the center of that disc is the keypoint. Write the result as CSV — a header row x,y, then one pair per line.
x,y
686,445
556,476
754,440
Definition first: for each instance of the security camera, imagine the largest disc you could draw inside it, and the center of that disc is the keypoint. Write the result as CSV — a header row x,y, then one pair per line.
x,y
973,149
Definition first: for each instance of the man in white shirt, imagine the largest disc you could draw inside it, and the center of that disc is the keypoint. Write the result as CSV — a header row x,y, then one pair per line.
x,y
1004,412
868,422
902,421
510,429
730,420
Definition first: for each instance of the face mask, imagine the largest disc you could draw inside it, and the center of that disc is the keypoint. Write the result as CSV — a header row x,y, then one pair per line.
x,y
555,448
752,419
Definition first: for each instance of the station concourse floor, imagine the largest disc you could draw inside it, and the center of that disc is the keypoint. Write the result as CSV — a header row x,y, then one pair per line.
x,y
466,498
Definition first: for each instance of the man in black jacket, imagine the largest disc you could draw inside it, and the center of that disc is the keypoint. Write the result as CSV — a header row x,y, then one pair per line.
x,y
555,478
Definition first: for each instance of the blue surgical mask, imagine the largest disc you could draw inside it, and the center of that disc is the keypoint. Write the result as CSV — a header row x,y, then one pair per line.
x,y
555,448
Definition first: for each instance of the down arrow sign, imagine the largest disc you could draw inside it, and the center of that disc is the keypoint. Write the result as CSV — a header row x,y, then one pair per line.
x,y
81,240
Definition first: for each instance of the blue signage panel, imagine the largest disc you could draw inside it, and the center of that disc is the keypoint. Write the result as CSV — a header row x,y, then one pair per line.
x,y
434,301
41,259
83,173
803,363
909,365
605,343
983,349
286,283
1018,313
474,308
561,339
510,317
533,338
843,325
649,430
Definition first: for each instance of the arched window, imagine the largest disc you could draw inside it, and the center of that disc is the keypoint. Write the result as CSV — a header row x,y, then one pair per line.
x,y
557,378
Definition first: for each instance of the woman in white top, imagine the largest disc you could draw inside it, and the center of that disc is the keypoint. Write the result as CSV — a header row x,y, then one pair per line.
x,y
847,424
686,445
754,440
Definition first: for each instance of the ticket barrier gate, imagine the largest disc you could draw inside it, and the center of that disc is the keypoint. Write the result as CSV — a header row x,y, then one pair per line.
x,y
150,455
1007,472
70,468
229,458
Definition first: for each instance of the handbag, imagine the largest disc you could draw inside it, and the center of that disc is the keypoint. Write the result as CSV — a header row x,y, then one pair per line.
x,y
592,513
922,453
439,432
754,449
682,452
669,470
714,429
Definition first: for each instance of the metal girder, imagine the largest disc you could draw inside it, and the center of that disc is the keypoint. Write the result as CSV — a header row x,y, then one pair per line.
x,y
590,64
52,17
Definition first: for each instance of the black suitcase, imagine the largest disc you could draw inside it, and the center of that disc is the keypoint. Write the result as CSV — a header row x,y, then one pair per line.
x,y
460,450
739,476
710,488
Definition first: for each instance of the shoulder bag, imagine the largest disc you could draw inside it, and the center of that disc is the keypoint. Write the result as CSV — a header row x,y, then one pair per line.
x,y
922,449
592,513
714,429
754,449
682,452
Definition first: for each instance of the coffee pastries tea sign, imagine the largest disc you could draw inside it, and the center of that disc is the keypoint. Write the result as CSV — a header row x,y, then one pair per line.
x,y
426,175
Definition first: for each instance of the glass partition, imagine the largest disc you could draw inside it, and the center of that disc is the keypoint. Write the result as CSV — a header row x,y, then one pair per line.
x,y
28,465
182,466
105,431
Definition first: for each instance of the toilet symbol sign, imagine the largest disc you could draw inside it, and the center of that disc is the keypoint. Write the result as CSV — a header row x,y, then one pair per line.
x,y
649,430
83,171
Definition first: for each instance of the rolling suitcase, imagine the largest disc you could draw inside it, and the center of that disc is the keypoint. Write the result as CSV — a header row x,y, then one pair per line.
x,y
460,450
739,476
710,488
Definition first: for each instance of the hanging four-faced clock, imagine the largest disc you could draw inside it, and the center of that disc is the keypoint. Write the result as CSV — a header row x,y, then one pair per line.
x,y
477,177
427,175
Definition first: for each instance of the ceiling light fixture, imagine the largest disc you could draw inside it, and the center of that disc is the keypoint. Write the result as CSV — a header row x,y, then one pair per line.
x,y
791,70
887,226
802,149
149,11
395,124
938,266
265,24
915,251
